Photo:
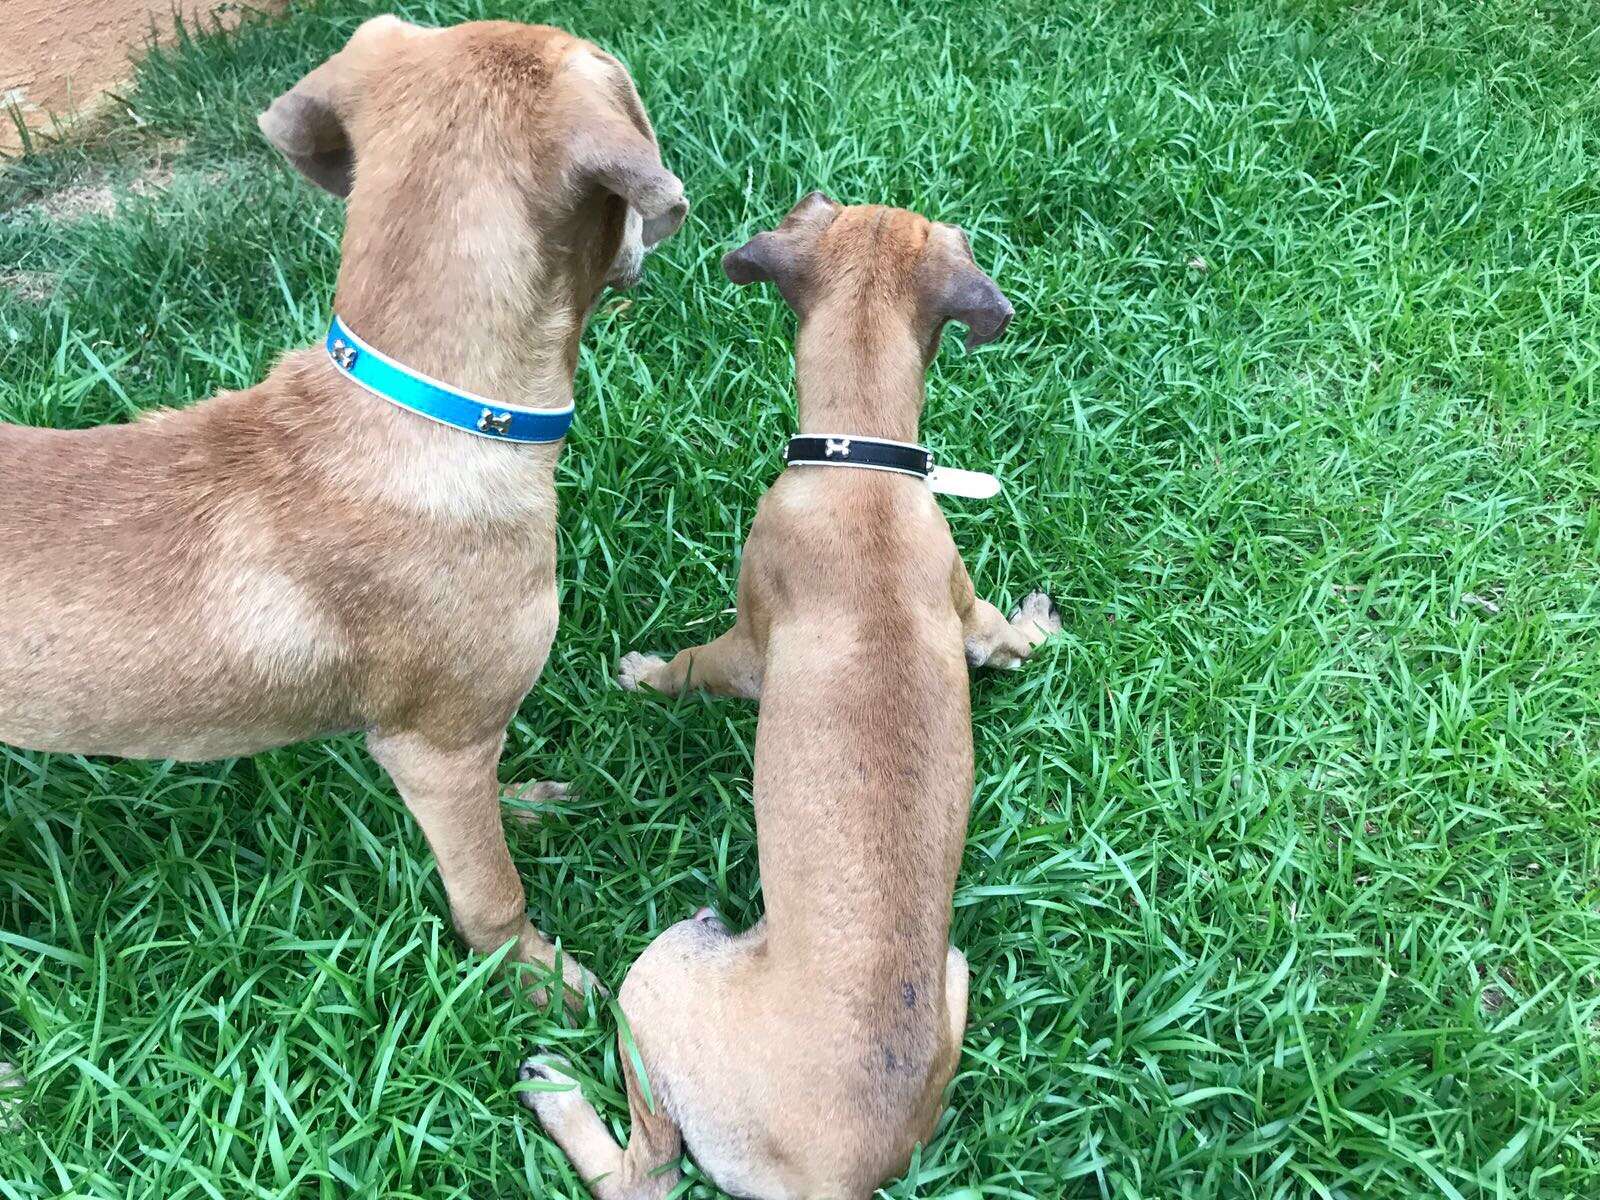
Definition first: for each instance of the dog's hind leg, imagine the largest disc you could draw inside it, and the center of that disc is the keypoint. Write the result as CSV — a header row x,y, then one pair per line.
x,y
957,978
454,796
646,1170
729,666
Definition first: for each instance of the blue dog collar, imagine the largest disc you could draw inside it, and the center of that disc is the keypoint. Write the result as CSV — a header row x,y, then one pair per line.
x,y
440,402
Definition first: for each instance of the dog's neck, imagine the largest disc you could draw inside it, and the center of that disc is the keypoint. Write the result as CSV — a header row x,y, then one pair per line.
x,y
858,380
484,301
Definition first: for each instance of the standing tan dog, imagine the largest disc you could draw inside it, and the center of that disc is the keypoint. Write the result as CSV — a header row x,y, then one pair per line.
x,y
303,557
808,1056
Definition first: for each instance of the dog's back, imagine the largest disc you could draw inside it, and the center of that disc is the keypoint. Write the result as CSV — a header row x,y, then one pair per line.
x,y
865,740
863,779
219,580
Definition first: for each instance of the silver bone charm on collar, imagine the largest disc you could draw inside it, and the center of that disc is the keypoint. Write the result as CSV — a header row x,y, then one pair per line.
x,y
493,422
839,446
344,353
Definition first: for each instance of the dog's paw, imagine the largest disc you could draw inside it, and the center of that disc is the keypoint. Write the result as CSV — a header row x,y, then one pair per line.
x,y
977,651
580,982
554,1092
522,799
709,918
536,976
11,1084
1036,618
635,669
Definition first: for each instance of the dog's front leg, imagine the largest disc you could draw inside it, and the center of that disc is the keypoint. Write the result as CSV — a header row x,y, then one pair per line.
x,y
453,794
989,639
731,665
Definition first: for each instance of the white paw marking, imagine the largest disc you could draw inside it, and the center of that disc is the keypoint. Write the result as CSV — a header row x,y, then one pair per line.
x,y
11,1080
557,1092
522,799
633,668
1037,609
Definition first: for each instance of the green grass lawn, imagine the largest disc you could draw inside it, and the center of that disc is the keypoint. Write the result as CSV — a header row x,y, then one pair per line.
x,y
1283,876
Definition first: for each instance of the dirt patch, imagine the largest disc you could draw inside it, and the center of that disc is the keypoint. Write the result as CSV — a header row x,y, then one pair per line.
x,y
78,201
59,57
33,287
96,193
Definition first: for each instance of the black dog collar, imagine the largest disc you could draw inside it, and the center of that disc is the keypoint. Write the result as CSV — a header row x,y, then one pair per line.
x,y
880,454
875,454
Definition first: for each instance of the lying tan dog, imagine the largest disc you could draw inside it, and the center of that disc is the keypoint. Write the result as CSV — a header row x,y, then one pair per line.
x,y
304,557
808,1056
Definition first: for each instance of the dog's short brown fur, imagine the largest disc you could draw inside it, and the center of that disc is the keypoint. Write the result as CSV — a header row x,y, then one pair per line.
x,y
303,557
809,1055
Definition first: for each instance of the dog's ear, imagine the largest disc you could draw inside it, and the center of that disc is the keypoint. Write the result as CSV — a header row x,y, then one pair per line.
x,y
815,211
780,255
765,258
622,156
962,292
310,123
630,167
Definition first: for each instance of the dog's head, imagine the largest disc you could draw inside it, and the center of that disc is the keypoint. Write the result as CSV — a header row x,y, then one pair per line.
x,y
485,131
870,267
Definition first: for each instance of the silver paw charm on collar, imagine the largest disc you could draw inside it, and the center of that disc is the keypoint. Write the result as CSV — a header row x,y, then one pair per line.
x,y
839,446
493,422
343,353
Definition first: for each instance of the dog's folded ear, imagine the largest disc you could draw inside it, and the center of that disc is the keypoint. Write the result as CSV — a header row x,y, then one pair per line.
x,y
765,258
307,124
972,298
629,165
962,292
310,123
621,155
779,256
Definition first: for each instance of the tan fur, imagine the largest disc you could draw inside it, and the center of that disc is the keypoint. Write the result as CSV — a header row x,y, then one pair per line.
x,y
807,1056
303,557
